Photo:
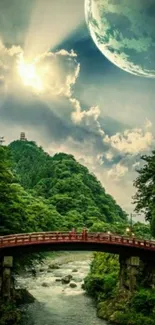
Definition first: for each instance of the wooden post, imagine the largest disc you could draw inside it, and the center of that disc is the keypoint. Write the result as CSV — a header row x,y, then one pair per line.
x,y
84,234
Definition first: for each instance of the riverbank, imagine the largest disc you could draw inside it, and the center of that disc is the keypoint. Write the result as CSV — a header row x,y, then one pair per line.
x,y
58,302
114,305
10,312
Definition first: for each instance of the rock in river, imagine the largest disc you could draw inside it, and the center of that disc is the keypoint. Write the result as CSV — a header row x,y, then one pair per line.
x,y
54,267
66,279
73,285
45,284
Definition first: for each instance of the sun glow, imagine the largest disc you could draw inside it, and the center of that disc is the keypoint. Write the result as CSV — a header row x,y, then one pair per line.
x,y
29,75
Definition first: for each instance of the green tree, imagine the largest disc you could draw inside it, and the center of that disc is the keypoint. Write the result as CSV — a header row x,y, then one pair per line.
x,y
145,184
12,214
20,211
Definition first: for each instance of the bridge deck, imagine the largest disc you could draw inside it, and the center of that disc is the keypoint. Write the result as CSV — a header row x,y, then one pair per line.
x,y
20,240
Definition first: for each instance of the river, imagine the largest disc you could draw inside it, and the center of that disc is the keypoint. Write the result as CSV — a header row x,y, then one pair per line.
x,y
57,303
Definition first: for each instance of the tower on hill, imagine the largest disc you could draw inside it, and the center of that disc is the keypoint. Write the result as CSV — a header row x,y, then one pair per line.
x,y
1,141
23,137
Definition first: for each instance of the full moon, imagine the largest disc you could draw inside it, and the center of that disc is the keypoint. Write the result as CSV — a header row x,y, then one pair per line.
x,y
124,31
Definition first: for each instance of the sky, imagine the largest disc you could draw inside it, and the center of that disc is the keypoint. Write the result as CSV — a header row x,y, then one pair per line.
x,y
58,88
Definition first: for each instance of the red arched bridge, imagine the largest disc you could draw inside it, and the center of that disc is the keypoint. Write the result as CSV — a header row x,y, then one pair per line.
x,y
34,242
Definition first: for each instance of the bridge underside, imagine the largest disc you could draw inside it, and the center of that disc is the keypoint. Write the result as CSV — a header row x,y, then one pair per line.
x,y
76,246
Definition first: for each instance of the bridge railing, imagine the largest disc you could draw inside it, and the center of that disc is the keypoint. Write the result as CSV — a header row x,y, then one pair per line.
x,y
53,237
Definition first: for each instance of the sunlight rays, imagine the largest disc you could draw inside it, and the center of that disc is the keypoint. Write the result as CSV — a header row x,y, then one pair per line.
x,y
50,24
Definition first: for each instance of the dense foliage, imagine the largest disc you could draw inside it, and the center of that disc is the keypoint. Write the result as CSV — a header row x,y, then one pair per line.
x,y
102,283
19,210
77,196
145,184
138,229
113,304
102,280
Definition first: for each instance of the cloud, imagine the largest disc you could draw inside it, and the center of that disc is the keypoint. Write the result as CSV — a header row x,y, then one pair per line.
x,y
50,76
59,72
117,171
136,164
148,124
109,156
100,159
8,59
79,116
88,118
56,71
130,141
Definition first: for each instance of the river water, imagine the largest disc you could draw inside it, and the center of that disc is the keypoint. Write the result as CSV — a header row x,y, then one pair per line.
x,y
57,303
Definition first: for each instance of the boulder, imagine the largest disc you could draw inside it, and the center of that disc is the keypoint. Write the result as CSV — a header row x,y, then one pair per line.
x,y
66,279
73,285
45,284
43,269
74,270
54,267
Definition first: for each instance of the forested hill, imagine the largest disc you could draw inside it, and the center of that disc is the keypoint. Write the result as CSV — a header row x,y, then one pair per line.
x,y
65,184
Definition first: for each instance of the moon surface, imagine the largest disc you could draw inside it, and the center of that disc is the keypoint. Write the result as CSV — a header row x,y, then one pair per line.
x,y
124,31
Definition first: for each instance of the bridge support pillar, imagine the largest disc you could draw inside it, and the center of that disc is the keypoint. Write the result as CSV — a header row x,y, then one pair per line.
x,y
6,265
129,270
148,273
